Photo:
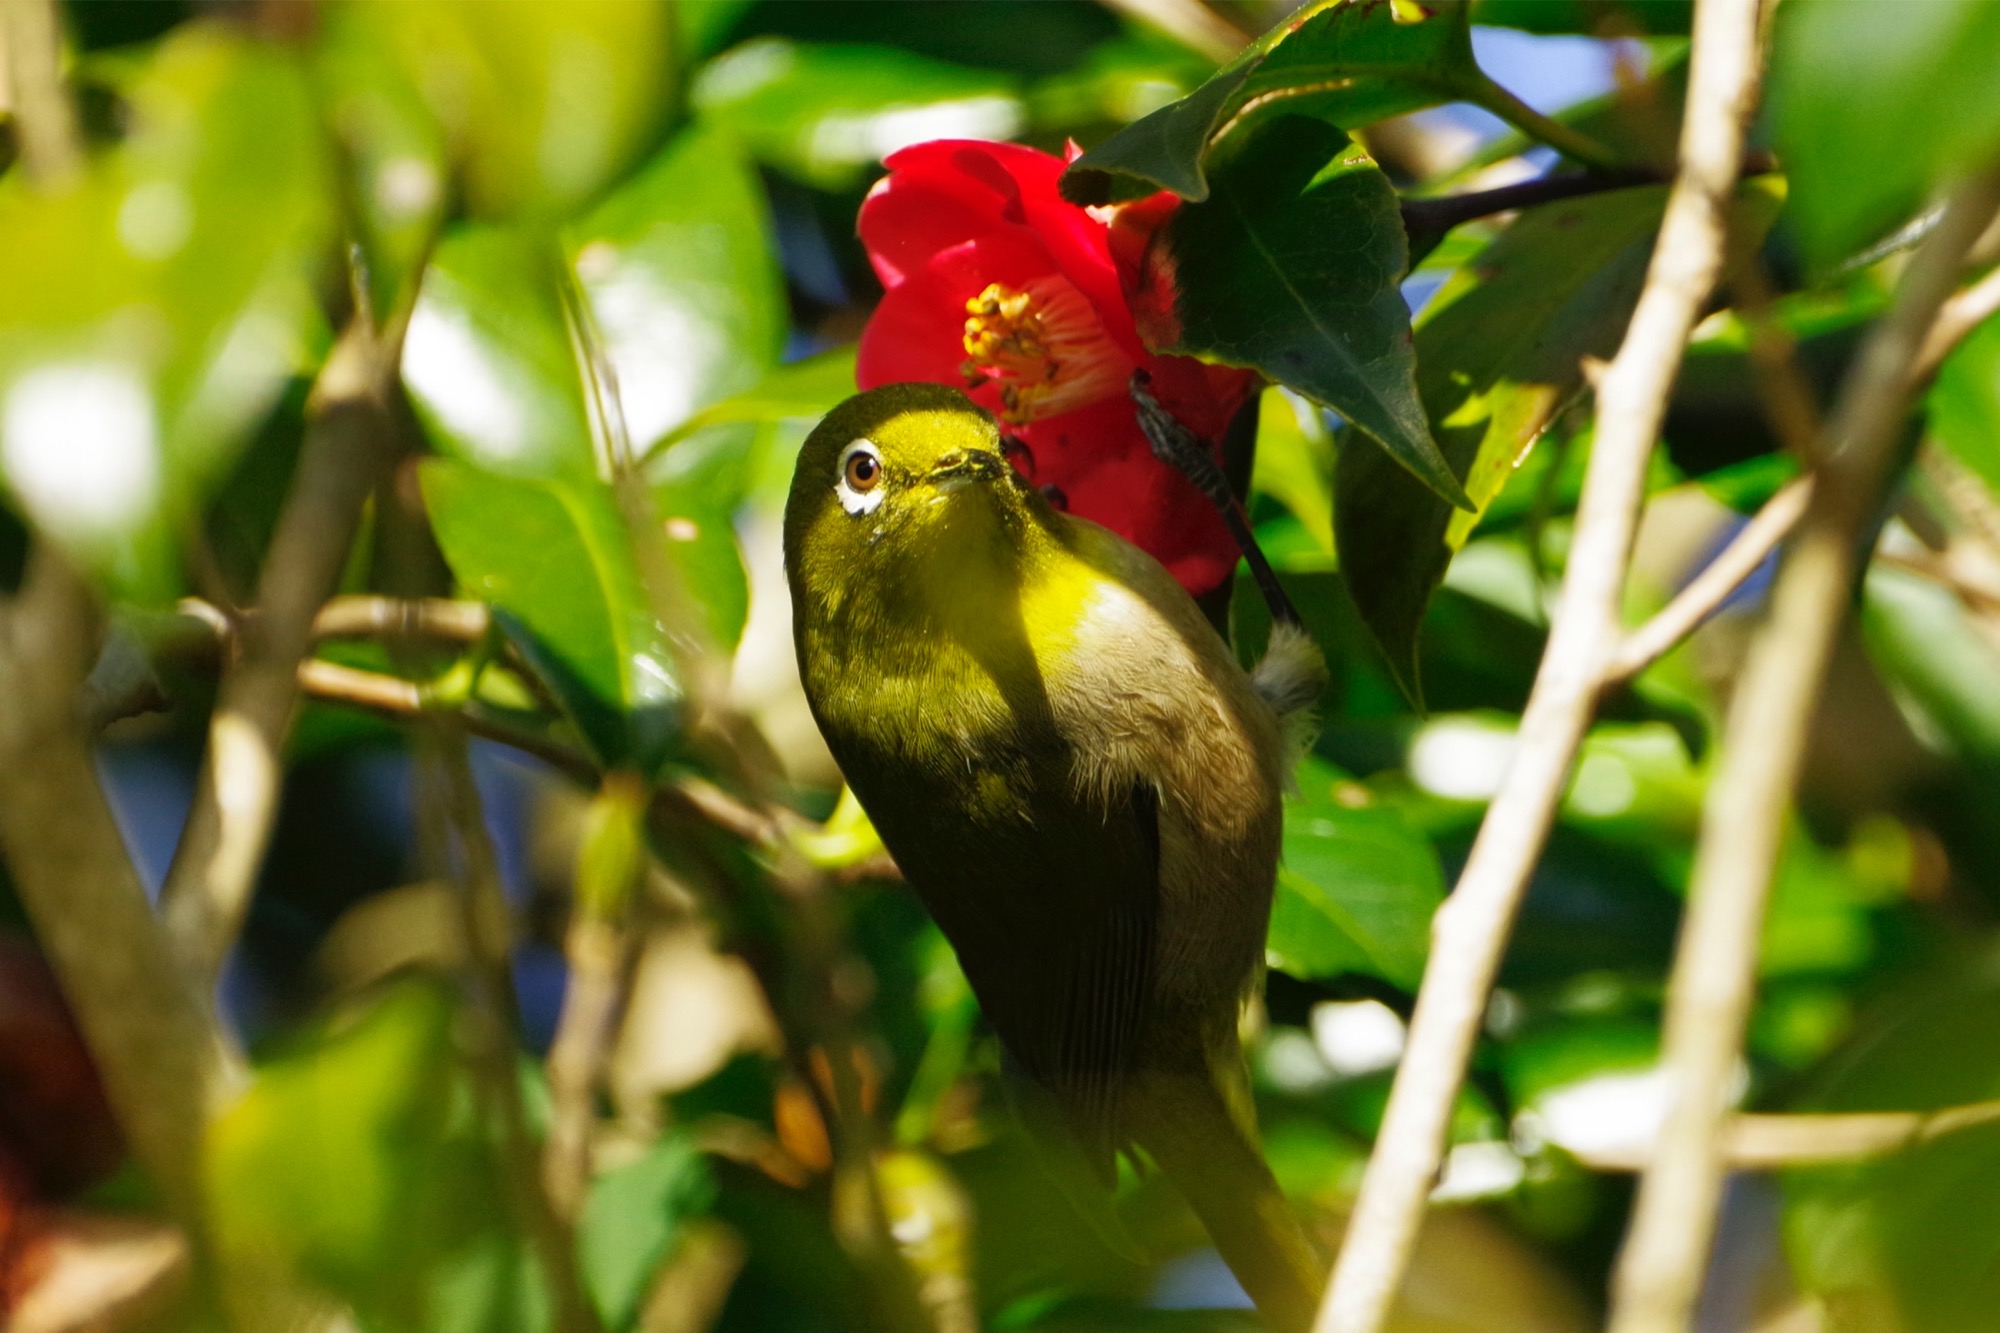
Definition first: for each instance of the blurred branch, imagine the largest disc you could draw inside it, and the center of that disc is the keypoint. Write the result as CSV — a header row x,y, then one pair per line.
x,y
45,128
1470,932
1189,22
1956,318
1745,814
1775,1142
367,617
349,434
166,1064
456,828
1714,585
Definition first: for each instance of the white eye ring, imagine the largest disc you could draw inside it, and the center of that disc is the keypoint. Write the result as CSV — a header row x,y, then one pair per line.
x,y
852,498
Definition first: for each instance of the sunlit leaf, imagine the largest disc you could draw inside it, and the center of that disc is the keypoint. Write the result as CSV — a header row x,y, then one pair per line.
x,y
156,307
488,359
827,113
1347,62
1941,668
1861,92
1291,267
678,268
541,105
1357,887
554,559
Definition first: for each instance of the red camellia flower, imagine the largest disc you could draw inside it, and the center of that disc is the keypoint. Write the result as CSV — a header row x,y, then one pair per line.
x,y
998,285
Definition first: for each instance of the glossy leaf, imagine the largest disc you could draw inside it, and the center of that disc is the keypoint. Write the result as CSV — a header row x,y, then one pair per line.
x,y
1964,404
1876,106
678,268
826,113
488,360
1348,62
156,306
801,391
505,81
1291,268
554,559
1357,887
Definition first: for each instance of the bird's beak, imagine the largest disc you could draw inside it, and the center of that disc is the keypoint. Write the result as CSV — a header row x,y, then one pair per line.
x,y
963,465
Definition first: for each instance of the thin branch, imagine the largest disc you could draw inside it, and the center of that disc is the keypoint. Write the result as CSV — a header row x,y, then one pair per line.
x,y
348,443
1776,1142
456,829
1958,317
1744,818
1715,584
358,617
1470,932
1567,140
165,1062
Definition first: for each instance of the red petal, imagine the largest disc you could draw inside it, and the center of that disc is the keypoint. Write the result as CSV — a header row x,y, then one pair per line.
x,y
918,330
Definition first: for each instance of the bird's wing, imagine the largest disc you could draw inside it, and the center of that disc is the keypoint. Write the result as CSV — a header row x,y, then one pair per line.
x,y
1050,899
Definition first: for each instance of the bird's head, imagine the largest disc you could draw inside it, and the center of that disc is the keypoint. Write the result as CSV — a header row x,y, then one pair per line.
x,y
902,480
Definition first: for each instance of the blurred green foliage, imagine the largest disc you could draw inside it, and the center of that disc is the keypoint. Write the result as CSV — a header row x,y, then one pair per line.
x,y
619,237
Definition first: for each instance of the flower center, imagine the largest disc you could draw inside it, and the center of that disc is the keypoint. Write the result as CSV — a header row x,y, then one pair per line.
x,y
1043,346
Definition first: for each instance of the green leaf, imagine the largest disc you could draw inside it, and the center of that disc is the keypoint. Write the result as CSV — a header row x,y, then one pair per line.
x,y
553,558
1876,106
488,361
1964,404
1357,888
1936,662
826,113
1499,352
1291,268
541,106
630,1221
1909,1240
327,1166
1348,62
156,307
678,267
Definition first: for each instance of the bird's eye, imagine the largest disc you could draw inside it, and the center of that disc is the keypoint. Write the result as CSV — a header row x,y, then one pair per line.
x,y
860,477
863,471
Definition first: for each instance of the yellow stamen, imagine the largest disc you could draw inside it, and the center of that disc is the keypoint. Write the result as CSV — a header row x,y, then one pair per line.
x,y
1044,347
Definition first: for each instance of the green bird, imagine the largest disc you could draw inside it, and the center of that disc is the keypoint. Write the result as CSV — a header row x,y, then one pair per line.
x,y
1077,778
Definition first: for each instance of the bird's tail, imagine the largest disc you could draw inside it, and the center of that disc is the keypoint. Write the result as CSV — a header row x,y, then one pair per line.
x,y
1210,1153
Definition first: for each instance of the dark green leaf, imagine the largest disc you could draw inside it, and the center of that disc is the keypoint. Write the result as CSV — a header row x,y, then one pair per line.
x,y
1964,404
156,306
1291,268
826,113
542,105
1499,350
1348,62
1878,105
1357,887
554,559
